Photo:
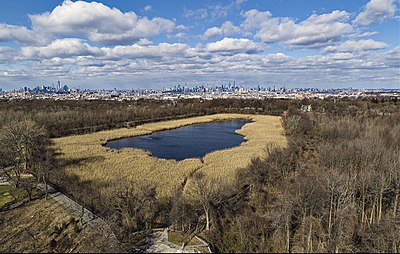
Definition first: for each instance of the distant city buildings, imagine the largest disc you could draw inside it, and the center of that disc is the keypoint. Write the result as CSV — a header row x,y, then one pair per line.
x,y
45,89
184,91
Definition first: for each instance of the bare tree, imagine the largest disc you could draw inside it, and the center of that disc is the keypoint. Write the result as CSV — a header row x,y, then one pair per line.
x,y
206,192
23,146
134,204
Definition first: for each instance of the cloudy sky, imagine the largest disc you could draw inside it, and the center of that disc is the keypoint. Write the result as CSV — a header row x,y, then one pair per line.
x,y
154,44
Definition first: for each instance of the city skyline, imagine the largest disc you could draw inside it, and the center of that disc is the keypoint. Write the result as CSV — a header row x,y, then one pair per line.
x,y
153,44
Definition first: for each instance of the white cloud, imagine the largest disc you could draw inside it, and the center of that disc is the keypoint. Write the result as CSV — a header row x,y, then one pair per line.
x,y
239,2
196,14
68,48
6,53
276,58
356,46
149,51
148,8
136,65
47,50
227,29
254,18
315,32
367,34
219,11
213,11
144,42
62,48
235,46
20,34
181,36
99,23
376,11
392,58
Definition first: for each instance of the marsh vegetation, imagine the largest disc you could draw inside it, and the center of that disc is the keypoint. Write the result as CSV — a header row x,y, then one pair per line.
x,y
320,181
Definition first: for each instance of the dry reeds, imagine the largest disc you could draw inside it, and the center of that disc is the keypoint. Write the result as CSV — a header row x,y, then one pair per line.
x,y
86,157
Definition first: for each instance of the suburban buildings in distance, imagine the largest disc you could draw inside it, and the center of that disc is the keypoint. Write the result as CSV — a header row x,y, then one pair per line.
x,y
230,90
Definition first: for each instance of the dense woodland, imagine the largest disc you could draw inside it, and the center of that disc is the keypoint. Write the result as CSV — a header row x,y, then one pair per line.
x,y
335,188
62,118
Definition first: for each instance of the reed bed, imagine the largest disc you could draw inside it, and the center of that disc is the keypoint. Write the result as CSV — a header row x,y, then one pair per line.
x,y
86,157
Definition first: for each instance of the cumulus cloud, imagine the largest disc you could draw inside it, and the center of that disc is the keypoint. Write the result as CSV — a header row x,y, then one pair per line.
x,y
148,51
254,18
235,46
99,23
315,32
276,58
226,29
356,46
168,62
20,34
80,39
62,48
376,11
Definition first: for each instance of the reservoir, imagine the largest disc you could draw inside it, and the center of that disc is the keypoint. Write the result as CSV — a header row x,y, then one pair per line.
x,y
193,141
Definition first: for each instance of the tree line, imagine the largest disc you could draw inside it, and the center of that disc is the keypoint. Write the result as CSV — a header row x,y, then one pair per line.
x,y
63,118
334,188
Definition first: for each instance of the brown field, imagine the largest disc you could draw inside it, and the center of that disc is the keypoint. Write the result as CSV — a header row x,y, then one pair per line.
x,y
85,156
45,226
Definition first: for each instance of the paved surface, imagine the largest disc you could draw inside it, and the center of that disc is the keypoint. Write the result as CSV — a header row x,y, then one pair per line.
x,y
77,210
160,244
159,240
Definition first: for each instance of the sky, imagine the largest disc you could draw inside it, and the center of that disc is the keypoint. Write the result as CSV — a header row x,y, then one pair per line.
x,y
133,44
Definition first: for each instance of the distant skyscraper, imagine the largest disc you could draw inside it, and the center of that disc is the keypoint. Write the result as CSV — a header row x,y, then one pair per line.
x,y
58,85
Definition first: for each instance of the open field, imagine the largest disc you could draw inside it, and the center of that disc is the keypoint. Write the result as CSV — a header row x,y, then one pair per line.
x,y
86,157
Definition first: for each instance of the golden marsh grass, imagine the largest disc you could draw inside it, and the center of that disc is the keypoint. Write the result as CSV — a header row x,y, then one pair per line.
x,y
86,157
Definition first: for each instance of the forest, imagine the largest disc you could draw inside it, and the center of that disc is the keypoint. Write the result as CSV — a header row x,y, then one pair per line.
x,y
334,188
63,118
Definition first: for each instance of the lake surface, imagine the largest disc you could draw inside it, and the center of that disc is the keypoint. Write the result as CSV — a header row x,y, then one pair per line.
x,y
193,141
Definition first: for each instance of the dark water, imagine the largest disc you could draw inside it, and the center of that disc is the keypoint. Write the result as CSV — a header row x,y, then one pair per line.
x,y
193,141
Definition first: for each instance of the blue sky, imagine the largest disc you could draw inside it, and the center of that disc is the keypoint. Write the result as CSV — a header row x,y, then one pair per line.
x,y
153,44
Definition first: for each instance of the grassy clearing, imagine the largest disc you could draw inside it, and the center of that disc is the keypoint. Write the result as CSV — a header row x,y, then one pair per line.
x,y
84,155
9,194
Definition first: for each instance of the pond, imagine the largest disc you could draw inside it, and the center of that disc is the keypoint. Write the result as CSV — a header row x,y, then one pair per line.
x,y
193,141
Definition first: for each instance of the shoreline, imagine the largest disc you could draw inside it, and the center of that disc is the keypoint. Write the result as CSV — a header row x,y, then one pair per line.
x,y
86,157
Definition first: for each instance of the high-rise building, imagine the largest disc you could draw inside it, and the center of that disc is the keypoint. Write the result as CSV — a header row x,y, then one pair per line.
x,y
58,85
